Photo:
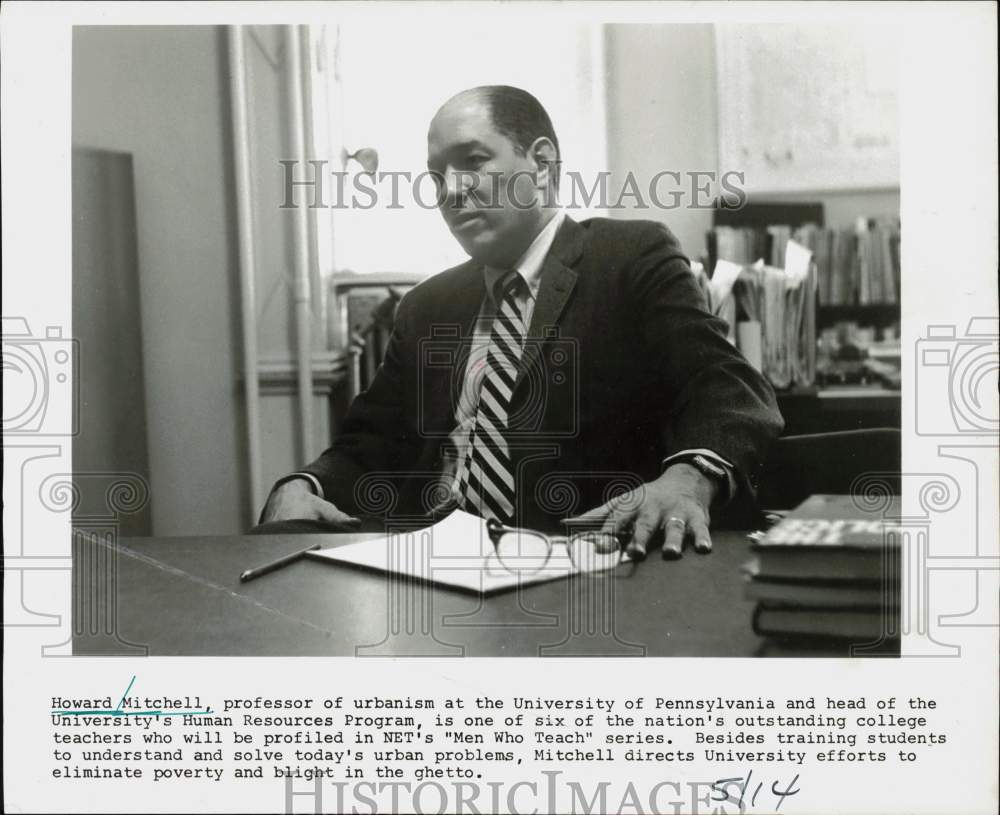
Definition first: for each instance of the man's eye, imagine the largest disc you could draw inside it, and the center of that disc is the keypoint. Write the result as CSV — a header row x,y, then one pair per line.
x,y
474,162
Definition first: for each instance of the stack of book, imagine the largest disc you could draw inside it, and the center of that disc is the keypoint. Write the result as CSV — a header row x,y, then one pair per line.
x,y
828,569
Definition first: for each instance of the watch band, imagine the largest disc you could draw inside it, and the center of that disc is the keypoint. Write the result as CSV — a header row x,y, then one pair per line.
x,y
706,467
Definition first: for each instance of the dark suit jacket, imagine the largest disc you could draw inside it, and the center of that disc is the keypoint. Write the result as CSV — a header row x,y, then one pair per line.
x,y
623,366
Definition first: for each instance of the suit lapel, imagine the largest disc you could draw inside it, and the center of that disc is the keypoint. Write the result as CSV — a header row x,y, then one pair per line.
x,y
464,303
461,312
557,283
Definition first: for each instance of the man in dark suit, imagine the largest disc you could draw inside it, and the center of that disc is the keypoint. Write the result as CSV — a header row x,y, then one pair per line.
x,y
566,367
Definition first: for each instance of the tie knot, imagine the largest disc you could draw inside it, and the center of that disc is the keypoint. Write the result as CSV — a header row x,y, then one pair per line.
x,y
511,284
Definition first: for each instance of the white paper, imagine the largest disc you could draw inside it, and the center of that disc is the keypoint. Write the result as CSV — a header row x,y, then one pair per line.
x,y
797,260
726,274
456,552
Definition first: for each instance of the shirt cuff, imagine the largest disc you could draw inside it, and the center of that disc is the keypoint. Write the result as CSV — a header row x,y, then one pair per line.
x,y
715,458
313,482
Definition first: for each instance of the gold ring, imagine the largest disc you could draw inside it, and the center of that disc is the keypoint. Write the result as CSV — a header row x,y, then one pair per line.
x,y
678,521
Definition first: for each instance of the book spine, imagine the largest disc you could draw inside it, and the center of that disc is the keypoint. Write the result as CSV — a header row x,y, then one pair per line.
x,y
862,256
888,267
755,620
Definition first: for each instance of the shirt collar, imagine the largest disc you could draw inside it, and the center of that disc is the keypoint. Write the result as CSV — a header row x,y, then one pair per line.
x,y
529,266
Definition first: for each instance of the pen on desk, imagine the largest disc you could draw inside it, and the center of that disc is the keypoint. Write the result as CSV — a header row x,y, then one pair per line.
x,y
250,574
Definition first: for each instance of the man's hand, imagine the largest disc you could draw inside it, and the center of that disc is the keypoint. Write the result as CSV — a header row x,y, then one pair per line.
x,y
295,500
676,502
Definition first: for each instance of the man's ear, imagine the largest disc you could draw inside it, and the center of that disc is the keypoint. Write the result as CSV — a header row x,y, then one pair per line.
x,y
545,156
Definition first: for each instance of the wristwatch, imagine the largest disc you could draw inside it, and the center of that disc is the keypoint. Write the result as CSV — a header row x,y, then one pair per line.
x,y
706,467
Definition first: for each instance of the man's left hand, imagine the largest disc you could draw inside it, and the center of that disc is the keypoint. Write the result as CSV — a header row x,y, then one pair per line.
x,y
677,502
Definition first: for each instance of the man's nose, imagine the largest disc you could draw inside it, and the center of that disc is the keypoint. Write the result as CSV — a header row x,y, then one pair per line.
x,y
457,185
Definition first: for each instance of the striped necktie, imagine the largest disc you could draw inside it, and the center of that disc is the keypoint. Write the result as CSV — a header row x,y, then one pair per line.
x,y
485,476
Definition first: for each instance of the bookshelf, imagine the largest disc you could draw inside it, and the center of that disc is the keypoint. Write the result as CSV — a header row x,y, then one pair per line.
x,y
857,311
878,314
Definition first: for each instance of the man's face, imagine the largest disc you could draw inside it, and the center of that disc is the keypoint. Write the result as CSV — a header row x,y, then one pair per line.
x,y
489,190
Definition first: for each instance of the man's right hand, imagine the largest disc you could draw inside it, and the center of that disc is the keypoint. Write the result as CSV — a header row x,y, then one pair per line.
x,y
295,500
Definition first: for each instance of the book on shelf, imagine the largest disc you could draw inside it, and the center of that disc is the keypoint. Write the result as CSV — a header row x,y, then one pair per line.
x,y
889,251
854,266
779,238
841,270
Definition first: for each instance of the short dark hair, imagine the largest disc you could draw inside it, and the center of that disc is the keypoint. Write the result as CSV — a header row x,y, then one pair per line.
x,y
520,117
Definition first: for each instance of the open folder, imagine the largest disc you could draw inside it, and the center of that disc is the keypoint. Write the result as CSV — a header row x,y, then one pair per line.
x,y
456,553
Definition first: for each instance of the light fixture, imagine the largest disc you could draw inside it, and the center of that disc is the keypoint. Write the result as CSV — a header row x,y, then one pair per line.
x,y
367,157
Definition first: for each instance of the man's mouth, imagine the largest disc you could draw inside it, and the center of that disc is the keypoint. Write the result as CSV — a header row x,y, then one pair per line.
x,y
465,218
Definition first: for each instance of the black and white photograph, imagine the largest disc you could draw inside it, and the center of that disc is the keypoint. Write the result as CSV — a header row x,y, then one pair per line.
x,y
425,389
701,332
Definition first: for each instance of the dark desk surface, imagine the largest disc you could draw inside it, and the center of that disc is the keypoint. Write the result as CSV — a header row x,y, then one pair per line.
x,y
825,410
183,596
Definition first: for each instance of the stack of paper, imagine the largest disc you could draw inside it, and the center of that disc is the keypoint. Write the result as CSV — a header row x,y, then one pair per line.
x,y
783,302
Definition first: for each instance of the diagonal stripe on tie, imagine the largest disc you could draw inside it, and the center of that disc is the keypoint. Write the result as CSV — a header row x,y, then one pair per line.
x,y
498,391
496,410
485,478
502,373
471,500
488,434
502,360
511,320
490,501
508,326
505,350
488,477
497,461
501,388
488,410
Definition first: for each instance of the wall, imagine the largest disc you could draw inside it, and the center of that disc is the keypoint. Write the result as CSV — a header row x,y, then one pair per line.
x,y
160,93
111,391
662,114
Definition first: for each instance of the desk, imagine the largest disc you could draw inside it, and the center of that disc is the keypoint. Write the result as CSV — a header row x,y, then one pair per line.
x,y
182,596
825,410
